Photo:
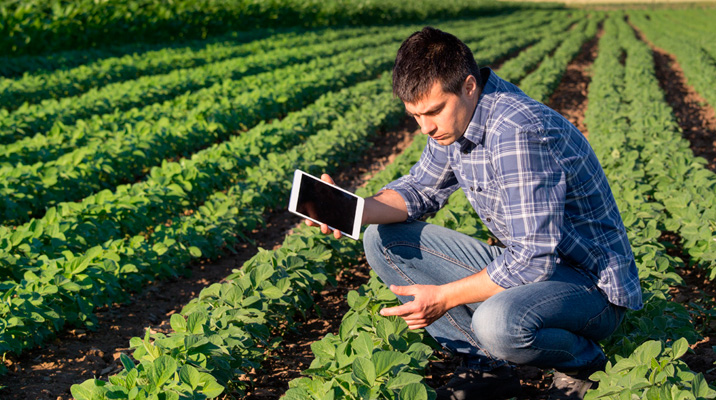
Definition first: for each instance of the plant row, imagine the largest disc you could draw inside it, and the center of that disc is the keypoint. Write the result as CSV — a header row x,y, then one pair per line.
x,y
40,26
645,349
33,88
169,189
29,190
37,118
517,68
679,180
68,285
542,82
66,289
242,318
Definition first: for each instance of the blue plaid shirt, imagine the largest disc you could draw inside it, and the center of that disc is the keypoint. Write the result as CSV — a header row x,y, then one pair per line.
x,y
537,185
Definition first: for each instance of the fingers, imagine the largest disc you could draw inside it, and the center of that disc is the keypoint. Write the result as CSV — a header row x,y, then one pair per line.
x,y
402,311
403,290
327,178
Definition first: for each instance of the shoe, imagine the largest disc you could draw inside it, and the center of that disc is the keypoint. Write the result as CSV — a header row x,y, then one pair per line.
x,y
466,383
573,385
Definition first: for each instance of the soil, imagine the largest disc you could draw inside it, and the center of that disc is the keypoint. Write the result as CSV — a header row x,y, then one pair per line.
x,y
570,97
76,355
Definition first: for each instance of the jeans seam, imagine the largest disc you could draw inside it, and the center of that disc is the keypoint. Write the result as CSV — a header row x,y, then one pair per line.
x,y
431,251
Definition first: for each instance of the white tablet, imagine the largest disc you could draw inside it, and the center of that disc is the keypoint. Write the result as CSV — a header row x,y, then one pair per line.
x,y
328,204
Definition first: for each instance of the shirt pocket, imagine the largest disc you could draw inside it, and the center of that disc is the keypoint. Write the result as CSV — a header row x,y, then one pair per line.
x,y
487,195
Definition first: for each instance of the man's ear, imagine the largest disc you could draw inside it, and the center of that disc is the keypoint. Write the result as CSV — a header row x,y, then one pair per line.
x,y
469,86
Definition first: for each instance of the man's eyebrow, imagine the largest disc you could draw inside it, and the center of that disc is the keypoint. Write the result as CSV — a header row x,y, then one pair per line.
x,y
431,111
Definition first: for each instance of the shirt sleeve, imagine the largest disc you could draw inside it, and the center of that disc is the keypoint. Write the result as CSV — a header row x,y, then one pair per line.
x,y
429,184
533,197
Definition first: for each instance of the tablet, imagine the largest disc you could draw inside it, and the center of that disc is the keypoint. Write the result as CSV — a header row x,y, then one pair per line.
x,y
328,204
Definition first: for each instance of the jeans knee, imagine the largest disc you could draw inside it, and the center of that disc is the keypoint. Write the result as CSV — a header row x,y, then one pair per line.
x,y
499,333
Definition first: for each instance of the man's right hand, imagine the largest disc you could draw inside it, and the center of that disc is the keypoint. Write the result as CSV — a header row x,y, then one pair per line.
x,y
324,228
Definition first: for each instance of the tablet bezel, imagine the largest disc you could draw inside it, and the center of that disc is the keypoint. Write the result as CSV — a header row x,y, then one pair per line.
x,y
293,203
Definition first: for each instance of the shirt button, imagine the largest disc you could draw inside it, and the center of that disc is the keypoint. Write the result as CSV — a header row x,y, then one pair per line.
x,y
464,152
488,219
472,189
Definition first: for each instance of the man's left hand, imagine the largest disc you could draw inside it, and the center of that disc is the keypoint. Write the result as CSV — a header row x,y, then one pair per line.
x,y
426,307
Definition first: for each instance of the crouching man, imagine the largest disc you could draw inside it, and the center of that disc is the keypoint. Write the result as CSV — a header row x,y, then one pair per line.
x,y
566,273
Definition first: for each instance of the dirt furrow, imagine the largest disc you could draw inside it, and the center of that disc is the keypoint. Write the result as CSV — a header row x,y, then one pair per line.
x,y
78,354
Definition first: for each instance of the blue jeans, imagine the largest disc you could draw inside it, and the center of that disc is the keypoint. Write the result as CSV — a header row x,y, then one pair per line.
x,y
549,324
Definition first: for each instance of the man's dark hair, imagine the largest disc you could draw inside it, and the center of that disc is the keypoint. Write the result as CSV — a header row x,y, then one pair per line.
x,y
428,56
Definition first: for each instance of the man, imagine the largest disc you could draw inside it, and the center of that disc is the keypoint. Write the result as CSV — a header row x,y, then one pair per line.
x,y
566,273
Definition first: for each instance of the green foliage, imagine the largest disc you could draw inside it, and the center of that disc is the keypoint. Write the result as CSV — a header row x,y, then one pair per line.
x,y
50,25
651,372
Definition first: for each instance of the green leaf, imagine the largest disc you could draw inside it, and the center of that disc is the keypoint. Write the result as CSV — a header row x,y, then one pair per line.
x,y
195,251
161,370
211,388
190,376
364,371
414,391
126,361
679,348
385,360
178,323
91,389
403,379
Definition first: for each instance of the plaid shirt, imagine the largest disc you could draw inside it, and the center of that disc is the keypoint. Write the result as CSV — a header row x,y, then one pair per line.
x,y
537,185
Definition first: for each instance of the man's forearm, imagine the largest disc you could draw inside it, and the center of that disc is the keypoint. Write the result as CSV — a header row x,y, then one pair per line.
x,y
472,289
386,207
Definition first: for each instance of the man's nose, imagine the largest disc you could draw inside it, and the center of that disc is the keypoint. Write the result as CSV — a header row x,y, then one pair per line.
x,y
427,125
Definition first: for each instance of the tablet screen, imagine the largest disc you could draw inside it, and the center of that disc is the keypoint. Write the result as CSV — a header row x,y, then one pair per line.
x,y
326,204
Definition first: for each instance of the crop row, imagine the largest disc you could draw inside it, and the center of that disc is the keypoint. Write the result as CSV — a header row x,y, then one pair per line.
x,y
33,88
679,180
542,82
66,289
32,119
645,349
169,189
242,316
29,189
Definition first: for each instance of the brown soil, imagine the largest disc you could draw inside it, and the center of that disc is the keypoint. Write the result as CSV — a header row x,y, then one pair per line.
x,y
570,98
695,117
77,354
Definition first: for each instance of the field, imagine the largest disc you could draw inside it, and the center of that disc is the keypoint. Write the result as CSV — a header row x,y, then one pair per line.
x,y
145,250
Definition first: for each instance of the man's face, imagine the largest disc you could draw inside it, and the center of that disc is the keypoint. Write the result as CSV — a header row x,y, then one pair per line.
x,y
445,116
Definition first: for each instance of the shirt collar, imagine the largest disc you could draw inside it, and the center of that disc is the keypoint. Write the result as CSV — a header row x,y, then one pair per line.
x,y
475,131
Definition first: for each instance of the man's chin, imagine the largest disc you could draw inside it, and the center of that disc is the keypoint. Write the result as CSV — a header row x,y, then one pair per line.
x,y
444,141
